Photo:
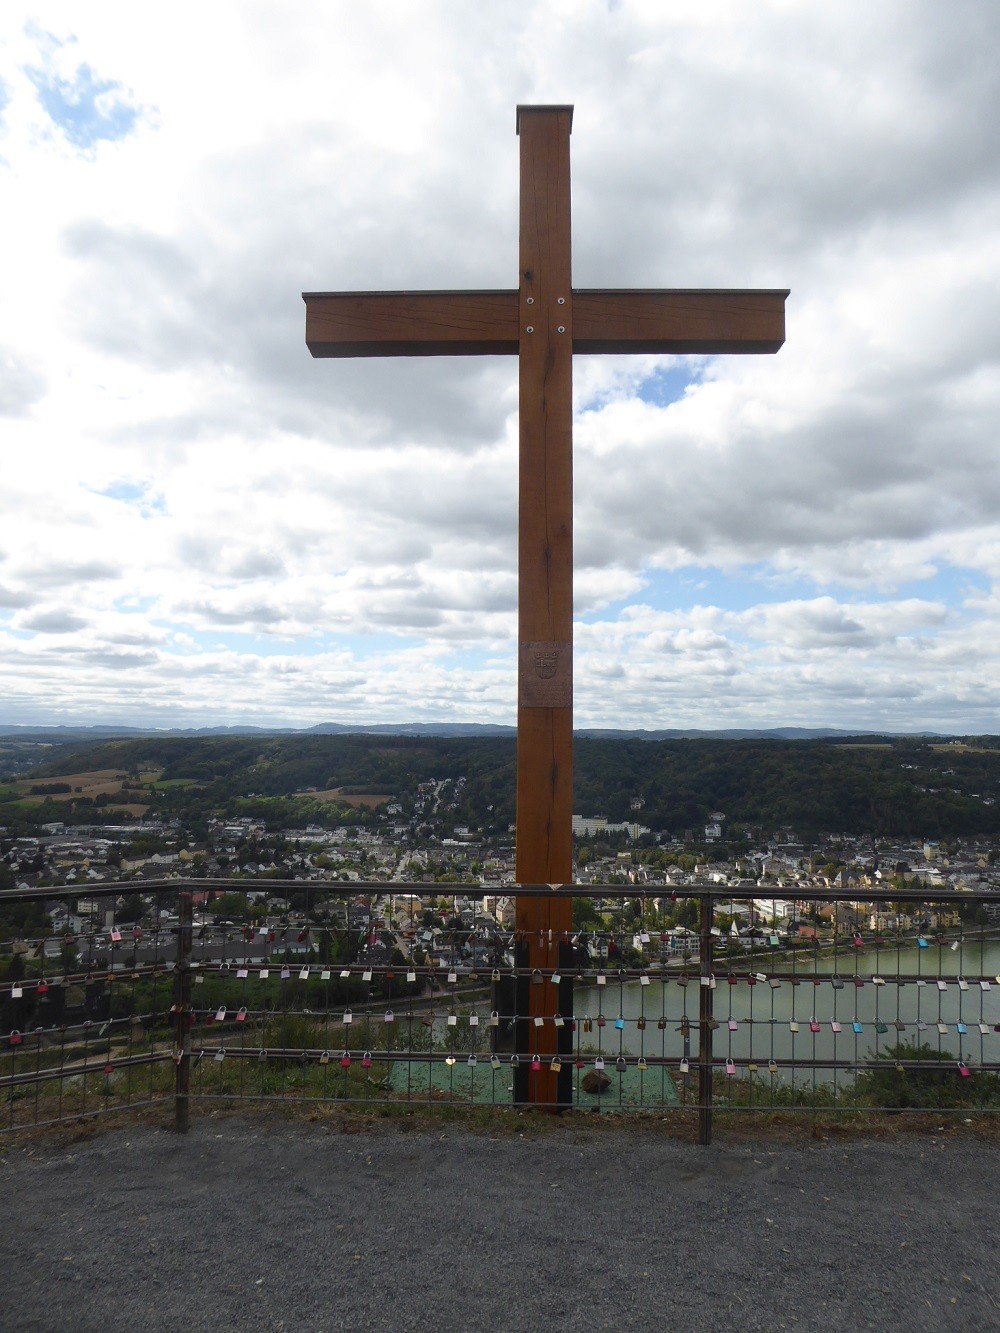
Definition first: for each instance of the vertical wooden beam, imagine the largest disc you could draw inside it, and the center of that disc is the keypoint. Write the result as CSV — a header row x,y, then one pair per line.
x,y
544,845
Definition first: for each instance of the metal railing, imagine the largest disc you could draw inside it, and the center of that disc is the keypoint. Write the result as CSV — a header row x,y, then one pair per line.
x,y
408,994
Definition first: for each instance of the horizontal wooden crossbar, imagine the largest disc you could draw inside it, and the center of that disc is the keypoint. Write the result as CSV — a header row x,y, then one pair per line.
x,y
683,321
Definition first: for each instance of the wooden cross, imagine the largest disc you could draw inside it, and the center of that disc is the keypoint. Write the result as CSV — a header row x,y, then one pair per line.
x,y
543,323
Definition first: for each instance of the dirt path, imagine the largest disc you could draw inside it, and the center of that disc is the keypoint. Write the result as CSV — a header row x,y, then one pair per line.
x,y
257,1222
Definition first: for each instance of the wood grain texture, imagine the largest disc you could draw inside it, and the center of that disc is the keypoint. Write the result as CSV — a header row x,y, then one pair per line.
x,y
544,845
679,321
411,323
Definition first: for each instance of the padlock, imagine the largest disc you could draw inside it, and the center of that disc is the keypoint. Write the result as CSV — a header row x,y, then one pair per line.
x,y
685,1064
389,1017
348,1017
453,1020
473,1060
661,1022
324,1058
601,1021
536,1062
599,1062
411,975
452,978
556,1064
620,1023
793,1026
515,1060
449,1059
496,974
366,1060
286,972
601,979
558,1020
963,1069
494,1019
640,1023
772,1066
579,1062
641,1063
15,1038
620,1064
241,1017
536,977
730,1067
813,1025
555,978
345,1060
588,1025
495,1061
43,988
733,1025
220,1014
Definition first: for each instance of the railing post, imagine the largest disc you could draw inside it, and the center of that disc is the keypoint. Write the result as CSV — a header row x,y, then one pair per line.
x,y
706,996
182,1009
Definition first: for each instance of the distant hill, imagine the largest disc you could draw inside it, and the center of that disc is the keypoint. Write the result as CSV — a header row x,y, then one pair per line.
x,y
837,782
98,732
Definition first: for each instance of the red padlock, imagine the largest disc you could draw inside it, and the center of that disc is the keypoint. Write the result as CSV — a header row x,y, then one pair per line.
x,y
15,1038
345,1060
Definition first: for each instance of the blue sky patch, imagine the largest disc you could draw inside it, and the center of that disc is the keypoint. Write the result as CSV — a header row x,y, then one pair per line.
x,y
87,109
760,584
134,493
667,384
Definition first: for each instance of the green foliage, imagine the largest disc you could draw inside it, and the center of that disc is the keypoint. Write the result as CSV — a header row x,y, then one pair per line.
x,y
898,787
944,1086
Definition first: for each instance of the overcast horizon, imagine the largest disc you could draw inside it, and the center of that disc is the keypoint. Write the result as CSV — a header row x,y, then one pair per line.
x,y
202,526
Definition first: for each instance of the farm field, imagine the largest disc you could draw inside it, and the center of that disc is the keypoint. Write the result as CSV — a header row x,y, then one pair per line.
x,y
360,800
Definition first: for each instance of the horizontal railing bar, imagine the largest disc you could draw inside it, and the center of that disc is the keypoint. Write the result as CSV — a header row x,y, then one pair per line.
x,y
79,1069
386,889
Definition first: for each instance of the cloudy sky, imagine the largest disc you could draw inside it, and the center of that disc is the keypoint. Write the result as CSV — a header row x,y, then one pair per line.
x,y
202,525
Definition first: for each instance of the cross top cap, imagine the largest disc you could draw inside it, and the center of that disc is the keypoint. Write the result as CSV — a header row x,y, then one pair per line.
x,y
528,110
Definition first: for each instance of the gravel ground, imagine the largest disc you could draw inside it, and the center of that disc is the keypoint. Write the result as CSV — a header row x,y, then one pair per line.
x,y
248,1223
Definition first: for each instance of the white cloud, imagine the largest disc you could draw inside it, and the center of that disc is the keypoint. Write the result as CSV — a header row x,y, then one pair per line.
x,y
199,522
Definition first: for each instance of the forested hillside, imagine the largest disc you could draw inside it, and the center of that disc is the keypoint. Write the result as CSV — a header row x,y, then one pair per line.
x,y
894,787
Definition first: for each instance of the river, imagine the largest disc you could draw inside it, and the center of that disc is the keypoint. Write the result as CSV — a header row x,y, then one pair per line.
x,y
949,998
